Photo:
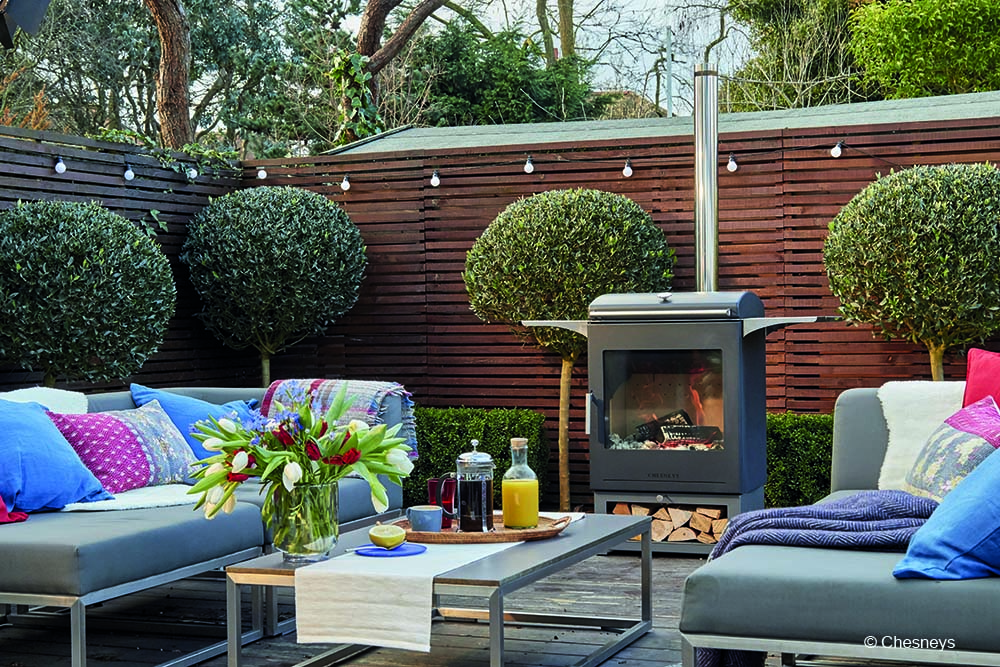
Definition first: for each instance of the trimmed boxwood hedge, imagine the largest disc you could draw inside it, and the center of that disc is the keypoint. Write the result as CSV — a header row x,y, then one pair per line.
x,y
444,433
799,456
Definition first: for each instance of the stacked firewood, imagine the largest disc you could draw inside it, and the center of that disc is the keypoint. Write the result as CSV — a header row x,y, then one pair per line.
x,y
680,523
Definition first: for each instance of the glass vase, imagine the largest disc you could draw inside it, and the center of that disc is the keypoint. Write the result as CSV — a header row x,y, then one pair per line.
x,y
304,521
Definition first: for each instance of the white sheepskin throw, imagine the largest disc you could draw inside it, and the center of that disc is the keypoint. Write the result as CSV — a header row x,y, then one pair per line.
x,y
913,410
55,400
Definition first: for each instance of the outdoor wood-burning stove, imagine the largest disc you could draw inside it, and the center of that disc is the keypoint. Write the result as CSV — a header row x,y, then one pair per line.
x,y
676,410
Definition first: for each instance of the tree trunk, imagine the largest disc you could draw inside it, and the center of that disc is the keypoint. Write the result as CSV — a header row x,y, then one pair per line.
x,y
564,385
173,100
542,15
265,369
937,361
373,25
49,380
567,31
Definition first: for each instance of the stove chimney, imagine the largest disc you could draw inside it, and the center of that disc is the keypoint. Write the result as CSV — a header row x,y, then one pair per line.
x,y
706,177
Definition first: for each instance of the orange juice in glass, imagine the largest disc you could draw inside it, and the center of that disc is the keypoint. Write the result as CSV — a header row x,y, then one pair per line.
x,y
519,489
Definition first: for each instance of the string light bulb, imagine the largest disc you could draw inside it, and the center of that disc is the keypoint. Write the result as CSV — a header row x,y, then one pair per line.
x,y
345,184
435,179
60,166
837,150
192,173
627,171
129,174
732,166
262,173
529,166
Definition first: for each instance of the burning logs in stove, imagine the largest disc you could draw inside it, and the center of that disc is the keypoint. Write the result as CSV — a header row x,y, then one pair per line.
x,y
680,523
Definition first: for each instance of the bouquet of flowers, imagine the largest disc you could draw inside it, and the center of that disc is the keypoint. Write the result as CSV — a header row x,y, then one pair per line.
x,y
298,445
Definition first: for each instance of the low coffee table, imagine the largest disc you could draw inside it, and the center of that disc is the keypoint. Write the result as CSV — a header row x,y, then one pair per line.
x,y
490,578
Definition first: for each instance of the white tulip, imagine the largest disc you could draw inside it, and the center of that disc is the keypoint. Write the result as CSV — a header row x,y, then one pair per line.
x,y
209,510
241,460
227,425
230,504
400,460
356,425
290,474
214,468
379,505
214,495
214,444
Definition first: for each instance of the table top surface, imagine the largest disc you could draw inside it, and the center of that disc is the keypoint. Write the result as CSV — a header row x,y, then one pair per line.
x,y
582,538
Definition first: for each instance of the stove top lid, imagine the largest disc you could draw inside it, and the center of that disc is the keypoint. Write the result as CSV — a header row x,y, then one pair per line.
x,y
676,305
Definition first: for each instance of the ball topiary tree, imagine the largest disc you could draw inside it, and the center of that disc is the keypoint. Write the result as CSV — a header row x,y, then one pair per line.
x,y
85,295
273,265
548,256
916,255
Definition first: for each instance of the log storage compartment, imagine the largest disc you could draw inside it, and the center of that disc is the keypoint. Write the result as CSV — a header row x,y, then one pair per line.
x,y
676,410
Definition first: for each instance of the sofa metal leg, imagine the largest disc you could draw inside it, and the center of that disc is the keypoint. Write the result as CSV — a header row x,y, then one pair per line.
x,y
78,634
788,659
687,653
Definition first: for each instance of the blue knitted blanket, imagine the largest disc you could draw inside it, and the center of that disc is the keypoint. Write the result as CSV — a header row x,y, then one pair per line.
x,y
872,520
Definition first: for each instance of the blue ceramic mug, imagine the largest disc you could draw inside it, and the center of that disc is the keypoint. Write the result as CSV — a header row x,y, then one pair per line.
x,y
425,518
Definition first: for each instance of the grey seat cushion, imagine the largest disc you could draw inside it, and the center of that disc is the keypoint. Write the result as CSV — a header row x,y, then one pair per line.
x,y
834,595
75,553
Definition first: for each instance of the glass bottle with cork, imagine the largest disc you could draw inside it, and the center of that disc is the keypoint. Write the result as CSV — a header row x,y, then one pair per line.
x,y
520,489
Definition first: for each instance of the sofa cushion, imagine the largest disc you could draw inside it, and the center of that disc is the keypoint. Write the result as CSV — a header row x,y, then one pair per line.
x,y
38,468
982,376
961,539
57,400
833,595
184,411
960,444
129,449
81,552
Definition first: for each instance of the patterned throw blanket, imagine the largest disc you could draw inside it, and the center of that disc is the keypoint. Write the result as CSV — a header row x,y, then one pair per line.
x,y
871,520
369,403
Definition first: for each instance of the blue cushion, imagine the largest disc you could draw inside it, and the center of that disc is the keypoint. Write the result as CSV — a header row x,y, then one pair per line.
x,y
961,539
184,411
38,468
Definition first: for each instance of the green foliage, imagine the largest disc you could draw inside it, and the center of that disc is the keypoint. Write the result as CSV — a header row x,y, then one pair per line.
x,y
546,257
915,254
236,52
84,294
444,433
358,116
208,160
915,48
273,265
502,79
799,459
801,57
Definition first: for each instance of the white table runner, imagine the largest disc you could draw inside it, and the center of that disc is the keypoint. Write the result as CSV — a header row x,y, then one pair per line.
x,y
387,602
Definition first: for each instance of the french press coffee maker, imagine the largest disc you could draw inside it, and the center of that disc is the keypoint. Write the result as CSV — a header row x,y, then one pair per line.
x,y
473,493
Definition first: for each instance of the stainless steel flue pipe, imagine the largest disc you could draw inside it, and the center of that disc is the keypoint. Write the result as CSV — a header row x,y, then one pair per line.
x,y
706,177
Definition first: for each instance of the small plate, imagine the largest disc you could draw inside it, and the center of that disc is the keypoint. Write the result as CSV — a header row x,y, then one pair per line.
x,y
404,549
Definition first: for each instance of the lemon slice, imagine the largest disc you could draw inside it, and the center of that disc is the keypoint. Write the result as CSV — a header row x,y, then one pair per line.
x,y
386,536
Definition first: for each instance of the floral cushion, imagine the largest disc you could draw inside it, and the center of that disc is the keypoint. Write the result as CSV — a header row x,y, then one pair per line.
x,y
960,444
128,449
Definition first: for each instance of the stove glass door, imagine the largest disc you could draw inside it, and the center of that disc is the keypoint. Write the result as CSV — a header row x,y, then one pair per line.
x,y
664,400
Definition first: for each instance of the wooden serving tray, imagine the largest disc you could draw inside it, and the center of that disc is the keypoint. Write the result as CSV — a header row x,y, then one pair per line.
x,y
546,528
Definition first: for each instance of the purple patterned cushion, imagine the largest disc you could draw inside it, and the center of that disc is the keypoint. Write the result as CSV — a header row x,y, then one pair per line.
x,y
960,444
128,449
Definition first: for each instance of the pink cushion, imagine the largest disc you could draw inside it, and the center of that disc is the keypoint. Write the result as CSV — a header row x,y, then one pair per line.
x,y
128,449
982,376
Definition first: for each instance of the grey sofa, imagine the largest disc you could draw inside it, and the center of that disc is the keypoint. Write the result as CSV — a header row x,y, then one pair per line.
x,y
835,602
75,559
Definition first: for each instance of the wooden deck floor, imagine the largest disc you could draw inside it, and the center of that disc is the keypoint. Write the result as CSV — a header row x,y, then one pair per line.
x,y
605,585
